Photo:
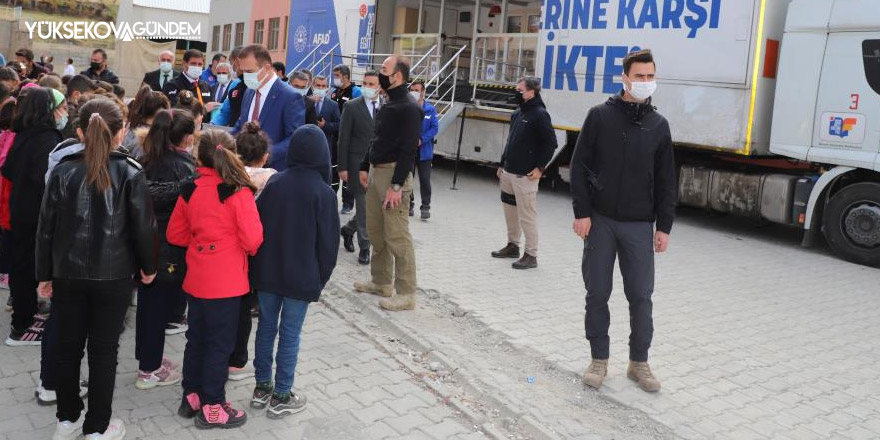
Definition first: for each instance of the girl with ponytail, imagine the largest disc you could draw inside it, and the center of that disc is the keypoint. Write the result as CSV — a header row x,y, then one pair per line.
x,y
96,233
216,220
162,305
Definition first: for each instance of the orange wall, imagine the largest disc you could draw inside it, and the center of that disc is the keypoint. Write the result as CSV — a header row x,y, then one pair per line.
x,y
266,10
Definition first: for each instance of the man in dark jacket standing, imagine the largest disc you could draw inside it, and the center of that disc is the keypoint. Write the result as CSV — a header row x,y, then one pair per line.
x,y
623,185
390,161
301,227
530,147
98,70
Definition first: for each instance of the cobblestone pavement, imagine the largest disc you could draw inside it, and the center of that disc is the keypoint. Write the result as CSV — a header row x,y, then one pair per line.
x,y
355,390
755,336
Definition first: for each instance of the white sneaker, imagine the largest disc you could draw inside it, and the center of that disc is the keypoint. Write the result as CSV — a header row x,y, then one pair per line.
x,y
49,397
164,376
236,373
115,431
67,430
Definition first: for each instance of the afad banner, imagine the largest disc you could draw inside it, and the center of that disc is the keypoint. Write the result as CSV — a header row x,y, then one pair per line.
x,y
323,24
582,44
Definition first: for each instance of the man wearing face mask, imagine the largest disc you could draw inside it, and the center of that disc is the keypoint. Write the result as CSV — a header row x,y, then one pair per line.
x,y
230,110
327,119
390,161
355,133
221,90
98,69
624,193
530,146
343,91
157,79
269,101
300,83
193,63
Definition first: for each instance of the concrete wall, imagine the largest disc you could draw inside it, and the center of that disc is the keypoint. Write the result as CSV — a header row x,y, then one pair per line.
x,y
268,9
230,12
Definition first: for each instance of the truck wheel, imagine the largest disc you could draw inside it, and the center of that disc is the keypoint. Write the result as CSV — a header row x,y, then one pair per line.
x,y
852,223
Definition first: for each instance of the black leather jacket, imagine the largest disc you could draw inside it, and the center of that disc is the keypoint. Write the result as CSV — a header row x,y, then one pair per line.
x,y
87,235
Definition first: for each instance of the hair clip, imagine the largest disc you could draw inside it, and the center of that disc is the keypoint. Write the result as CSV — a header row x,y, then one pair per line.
x,y
219,146
94,116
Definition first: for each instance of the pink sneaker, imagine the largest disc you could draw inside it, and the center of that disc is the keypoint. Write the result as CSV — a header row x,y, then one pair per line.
x,y
220,416
164,376
189,406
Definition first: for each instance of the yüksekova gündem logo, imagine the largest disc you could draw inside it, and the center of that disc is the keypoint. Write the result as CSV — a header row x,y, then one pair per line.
x,y
122,31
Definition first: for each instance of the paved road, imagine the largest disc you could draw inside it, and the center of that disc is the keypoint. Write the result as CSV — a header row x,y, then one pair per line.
x,y
755,337
355,391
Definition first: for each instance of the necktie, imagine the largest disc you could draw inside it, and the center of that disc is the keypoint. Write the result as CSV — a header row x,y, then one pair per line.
x,y
374,109
163,81
255,116
319,107
220,93
199,94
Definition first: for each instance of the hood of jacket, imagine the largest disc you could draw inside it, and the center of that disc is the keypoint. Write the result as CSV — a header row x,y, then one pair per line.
x,y
308,149
635,111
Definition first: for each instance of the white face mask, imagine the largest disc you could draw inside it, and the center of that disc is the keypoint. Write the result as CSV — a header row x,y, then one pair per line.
x,y
300,91
252,79
416,96
337,82
369,94
642,90
165,66
320,93
194,72
223,78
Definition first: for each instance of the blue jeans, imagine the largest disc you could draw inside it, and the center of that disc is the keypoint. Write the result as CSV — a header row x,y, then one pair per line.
x,y
293,314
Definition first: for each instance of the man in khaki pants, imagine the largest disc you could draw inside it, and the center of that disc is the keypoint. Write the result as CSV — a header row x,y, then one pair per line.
x,y
529,148
390,161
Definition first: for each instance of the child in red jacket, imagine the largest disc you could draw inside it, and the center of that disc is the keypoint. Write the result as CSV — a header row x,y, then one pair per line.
x,y
216,219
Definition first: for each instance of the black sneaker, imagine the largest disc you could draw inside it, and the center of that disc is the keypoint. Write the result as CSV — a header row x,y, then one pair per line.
x,y
509,251
526,262
426,212
364,257
262,394
30,337
283,406
347,238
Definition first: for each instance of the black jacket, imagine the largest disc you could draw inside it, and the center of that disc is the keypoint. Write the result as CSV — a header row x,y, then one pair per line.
x,y
26,167
532,141
235,97
152,78
396,135
106,75
623,165
164,180
300,222
182,82
87,235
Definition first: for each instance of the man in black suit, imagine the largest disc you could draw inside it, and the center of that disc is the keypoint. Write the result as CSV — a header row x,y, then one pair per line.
x,y
299,80
221,90
193,62
164,74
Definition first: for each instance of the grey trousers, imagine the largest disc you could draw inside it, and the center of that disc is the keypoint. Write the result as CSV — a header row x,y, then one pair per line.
x,y
358,222
634,243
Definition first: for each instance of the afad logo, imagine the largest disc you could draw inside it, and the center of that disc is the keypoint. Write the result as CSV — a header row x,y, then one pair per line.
x,y
841,127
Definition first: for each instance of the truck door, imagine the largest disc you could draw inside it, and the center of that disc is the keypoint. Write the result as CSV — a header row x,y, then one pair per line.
x,y
846,129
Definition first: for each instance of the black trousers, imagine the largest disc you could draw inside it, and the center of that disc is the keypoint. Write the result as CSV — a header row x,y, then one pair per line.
x,y
424,170
176,312
155,302
634,243
48,350
239,356
209,343
93,312
22,276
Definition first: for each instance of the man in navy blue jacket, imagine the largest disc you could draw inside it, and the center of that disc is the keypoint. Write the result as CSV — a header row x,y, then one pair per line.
x,y
271,102
301,230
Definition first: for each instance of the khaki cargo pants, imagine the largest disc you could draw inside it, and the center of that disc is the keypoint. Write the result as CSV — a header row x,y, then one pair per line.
x,y
394,259
519,196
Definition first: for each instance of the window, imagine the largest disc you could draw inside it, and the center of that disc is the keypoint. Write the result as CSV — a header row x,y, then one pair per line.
x,y
284,41
258,31
239,34
227,36
514,24
871,57
215,38
274,24
534,24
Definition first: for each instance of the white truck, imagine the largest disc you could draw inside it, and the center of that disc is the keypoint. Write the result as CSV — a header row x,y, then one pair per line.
x,y
774,104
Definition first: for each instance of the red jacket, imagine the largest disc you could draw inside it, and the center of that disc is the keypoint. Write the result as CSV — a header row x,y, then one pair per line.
x,y
219,228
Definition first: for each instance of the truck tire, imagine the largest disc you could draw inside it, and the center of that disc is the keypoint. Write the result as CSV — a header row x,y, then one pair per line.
x,y
852,223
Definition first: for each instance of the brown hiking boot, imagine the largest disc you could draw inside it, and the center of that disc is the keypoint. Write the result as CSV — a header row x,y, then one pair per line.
x,y
399,302
509,251
526,262
595,373
640,372
375,289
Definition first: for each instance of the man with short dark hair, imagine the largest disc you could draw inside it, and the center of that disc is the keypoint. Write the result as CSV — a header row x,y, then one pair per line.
x,y
623,187
193,63
231,108
530,146
300,83
210,74
280,70
355,133
430,126
98,69
157,79
327,118
77,85
25,56
390,161
278,109
343,91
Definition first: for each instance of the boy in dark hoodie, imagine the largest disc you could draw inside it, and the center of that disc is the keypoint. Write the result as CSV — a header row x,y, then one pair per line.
x,y
297,257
